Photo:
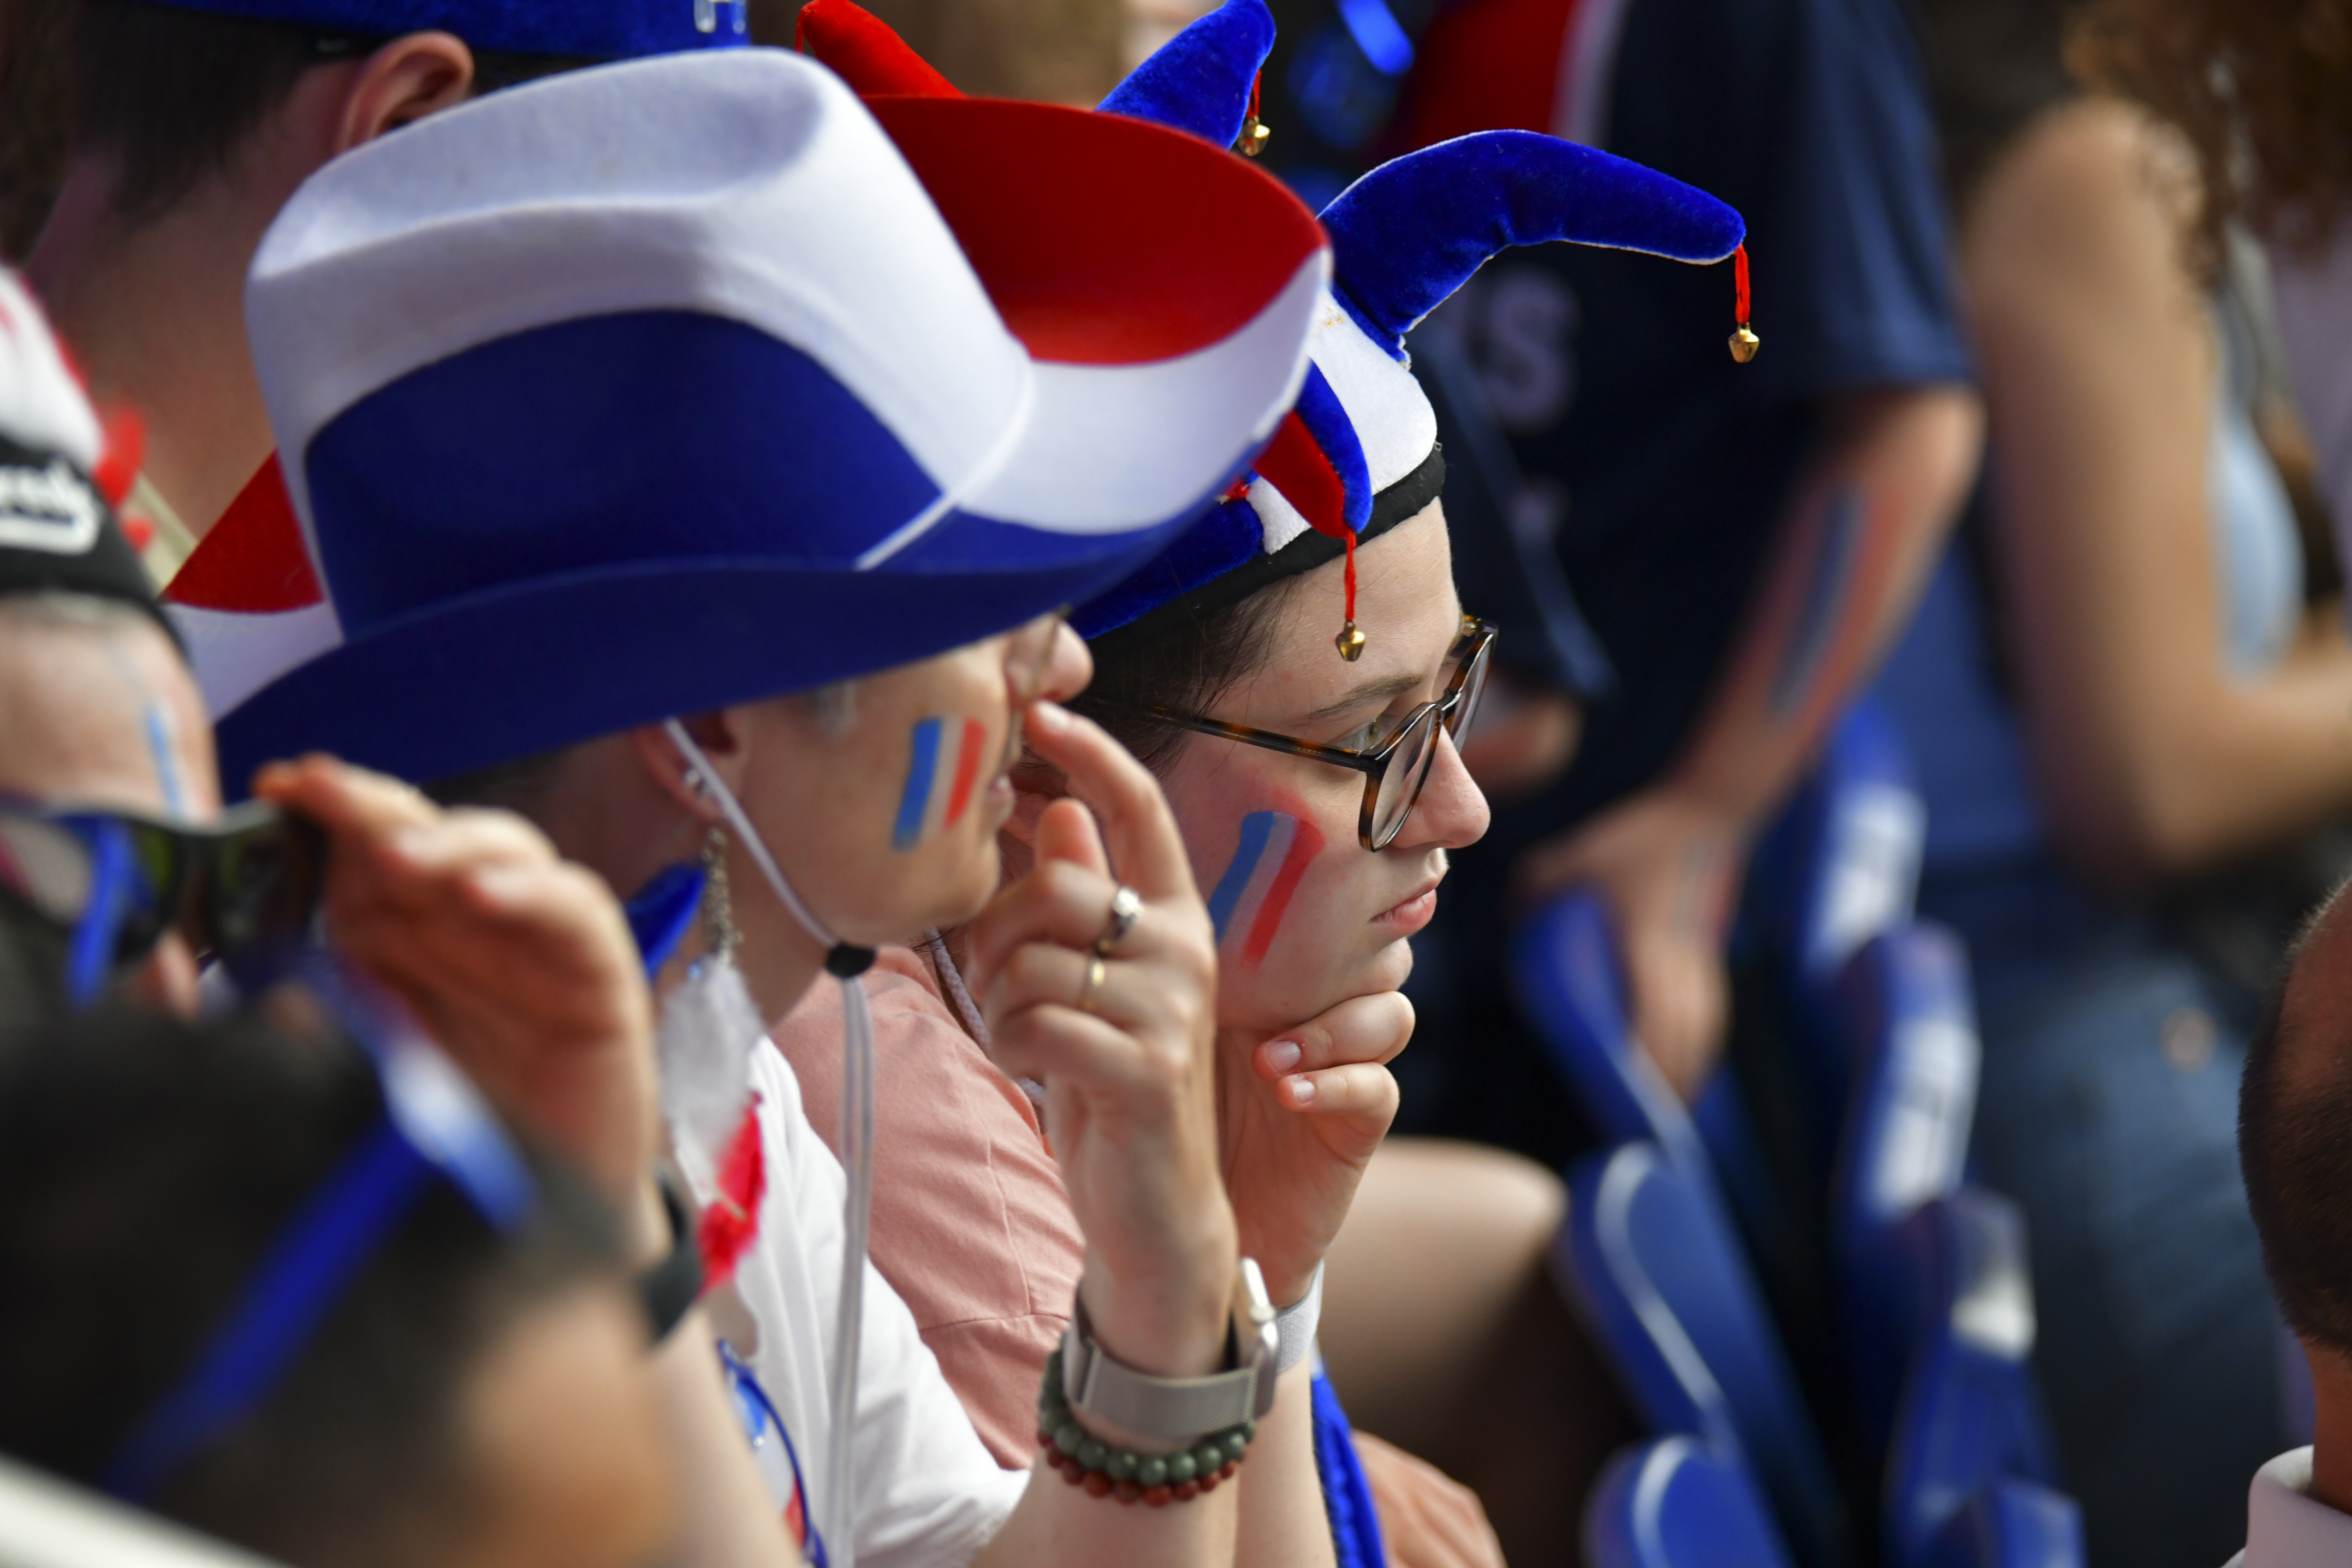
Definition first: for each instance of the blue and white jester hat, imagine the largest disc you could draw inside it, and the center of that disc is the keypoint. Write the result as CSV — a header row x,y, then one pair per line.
x,y
573,29
1358,455
657,388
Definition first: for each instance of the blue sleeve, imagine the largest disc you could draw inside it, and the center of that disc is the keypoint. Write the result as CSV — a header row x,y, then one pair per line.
x,y
1811,118
1355,1527
1856,210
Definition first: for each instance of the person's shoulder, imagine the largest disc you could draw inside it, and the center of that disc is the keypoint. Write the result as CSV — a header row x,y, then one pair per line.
x,y
2091,191
903,995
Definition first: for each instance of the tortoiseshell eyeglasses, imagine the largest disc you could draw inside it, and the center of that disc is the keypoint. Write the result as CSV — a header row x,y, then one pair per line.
x,y
1394,769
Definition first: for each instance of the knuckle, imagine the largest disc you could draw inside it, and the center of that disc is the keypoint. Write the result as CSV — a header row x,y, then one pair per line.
x,y
1031,968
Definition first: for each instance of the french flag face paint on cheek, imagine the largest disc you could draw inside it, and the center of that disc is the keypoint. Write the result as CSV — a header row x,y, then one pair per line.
x,y
1256,891
941,772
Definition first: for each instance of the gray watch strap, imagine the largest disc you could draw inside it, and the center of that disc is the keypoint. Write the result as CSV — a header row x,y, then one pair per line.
x,y
1177,1409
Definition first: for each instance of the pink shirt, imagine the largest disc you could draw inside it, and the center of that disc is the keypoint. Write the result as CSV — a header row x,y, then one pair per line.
x,y
971,1225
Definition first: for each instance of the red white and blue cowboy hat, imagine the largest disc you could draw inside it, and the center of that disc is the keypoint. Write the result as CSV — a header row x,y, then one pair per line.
x,y
662,386
1359,453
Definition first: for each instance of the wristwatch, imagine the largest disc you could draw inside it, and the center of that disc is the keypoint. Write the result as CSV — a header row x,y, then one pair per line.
x,y
1178,1409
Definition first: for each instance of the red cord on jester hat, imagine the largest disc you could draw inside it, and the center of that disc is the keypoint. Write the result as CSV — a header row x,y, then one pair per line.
x,y
1744,340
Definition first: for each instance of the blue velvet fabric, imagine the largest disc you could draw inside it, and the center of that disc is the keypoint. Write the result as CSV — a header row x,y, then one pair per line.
x,y
1413,230
1223,540
1199,79
1326,419
663,912
589,30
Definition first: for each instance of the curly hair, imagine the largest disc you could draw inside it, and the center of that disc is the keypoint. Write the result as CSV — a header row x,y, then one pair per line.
x,y
2261,88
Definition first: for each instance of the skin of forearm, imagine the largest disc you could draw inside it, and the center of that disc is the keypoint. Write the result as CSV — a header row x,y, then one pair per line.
x,y
1856,548
1283,1524
1057,1523
728,1520
2163,785
1270,1516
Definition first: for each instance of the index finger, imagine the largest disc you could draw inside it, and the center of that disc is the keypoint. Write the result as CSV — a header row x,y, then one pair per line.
x,y
342,799
1138,828
1362,1029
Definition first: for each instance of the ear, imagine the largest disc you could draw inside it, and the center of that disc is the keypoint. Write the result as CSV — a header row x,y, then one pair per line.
x,y
414,75
719,734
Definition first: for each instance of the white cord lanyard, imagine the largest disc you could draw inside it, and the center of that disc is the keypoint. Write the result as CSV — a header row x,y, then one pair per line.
x,y
844,963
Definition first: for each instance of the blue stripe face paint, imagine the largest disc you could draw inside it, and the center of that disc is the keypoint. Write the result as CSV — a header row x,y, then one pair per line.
x,y
167,767
1257,828
915,798
1825,595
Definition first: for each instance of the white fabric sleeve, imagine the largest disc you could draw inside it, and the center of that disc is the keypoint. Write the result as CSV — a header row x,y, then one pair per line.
x,y
928,1493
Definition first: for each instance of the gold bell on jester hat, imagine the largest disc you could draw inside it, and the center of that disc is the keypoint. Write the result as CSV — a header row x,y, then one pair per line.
x,y
1255,133
1744,340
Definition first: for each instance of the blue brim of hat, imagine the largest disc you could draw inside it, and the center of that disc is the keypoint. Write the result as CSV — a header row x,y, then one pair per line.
x,y
512,674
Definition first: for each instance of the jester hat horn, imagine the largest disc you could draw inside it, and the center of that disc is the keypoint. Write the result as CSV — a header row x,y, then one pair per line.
x,y
1358,452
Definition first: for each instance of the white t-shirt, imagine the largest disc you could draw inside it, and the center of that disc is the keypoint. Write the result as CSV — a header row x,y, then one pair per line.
x,y
2286,1528
928,1493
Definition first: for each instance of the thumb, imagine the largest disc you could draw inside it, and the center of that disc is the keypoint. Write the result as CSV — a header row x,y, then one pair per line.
x,y
1067,831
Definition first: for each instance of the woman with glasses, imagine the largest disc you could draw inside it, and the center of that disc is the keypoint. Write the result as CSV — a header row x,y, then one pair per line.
x,y
1316,782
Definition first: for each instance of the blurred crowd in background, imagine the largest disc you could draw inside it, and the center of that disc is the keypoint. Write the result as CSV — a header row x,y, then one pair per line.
x,y
1918,759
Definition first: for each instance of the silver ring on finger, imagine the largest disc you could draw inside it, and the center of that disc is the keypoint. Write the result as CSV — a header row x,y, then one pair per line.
x,y
1126,908
1097,970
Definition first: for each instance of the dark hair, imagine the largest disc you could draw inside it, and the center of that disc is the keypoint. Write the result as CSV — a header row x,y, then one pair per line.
x,y
2261,88
146,1165
2294,1149
1182,663
33,109
515,786
174,95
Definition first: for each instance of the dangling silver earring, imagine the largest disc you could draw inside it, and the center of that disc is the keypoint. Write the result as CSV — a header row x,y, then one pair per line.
x,y
720,936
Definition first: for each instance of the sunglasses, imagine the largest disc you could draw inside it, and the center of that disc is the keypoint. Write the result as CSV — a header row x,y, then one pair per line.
x,y
434,1130
242,889
1398,767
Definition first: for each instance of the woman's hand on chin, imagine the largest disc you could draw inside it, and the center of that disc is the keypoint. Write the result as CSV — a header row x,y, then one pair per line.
x,y
1127,1058
1298,1118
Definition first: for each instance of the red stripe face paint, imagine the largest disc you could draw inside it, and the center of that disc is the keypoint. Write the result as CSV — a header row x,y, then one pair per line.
x,y
1254,894
942,765
967,769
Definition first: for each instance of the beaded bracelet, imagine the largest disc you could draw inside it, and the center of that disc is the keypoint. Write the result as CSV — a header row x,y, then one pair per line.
x,y
1155,1479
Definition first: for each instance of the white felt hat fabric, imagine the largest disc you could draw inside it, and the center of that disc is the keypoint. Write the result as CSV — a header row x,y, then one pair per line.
x,y
42,406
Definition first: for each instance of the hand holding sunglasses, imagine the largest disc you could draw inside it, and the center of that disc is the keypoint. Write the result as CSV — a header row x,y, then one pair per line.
x,y
242,889
517,961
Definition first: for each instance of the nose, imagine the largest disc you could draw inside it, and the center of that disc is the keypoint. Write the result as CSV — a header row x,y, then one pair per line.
x,y
1068,665
1452,812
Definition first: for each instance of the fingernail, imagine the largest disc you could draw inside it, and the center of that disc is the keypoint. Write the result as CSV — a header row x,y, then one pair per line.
x,y
1302,1090
1050,717
1282,1055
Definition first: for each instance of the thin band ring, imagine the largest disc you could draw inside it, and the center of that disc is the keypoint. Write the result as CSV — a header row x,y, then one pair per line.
x,y
1097,970
1126,908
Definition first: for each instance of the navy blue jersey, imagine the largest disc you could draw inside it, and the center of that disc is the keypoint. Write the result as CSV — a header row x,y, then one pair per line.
x,y
1666,467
